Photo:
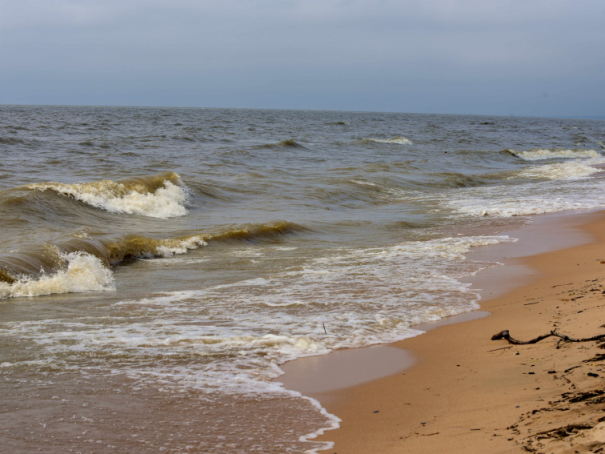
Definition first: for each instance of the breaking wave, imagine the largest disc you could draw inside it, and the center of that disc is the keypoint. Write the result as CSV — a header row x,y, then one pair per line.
x,y
537,154
396,140
82,273
159,196
569,170
83,264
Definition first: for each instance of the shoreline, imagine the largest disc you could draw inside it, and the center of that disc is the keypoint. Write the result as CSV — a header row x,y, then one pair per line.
x,y
374,420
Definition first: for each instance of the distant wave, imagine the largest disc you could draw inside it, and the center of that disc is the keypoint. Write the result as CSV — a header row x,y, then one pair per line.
x,y
83,264
537,154
159,196
399,140
403,225
11,141
363,183
350,192
290,143
257,232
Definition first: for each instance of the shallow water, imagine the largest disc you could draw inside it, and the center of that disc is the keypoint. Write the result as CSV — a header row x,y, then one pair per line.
x,y
169,260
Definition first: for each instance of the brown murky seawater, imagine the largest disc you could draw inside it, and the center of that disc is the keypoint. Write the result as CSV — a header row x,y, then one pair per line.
x,y
157,266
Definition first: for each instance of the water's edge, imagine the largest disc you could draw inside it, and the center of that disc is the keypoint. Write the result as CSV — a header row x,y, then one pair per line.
x,y
317,378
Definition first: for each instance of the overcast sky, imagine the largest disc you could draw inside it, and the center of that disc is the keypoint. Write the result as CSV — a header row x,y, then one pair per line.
x,y
522,57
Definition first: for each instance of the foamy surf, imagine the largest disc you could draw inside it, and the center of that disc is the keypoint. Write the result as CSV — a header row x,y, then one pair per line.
x,y
83,273
364,296
158,196
333,424
532,198
402,285
180,247
538,154
399,140
59,267
569,170
79,271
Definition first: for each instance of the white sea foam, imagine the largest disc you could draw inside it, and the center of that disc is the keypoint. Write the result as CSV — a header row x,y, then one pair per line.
x,y
363,296
231,338
176,261
556,187
528,199
83,273
568,170
180,247
538,154
333,421
165,202
397,140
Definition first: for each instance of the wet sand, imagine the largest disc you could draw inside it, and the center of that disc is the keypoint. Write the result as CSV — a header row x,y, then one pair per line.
x,y
467,393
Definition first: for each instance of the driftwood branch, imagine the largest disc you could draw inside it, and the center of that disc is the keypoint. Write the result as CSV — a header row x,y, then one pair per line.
x,y
562,338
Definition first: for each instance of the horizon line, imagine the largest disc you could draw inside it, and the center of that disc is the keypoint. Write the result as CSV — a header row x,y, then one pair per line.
x,y
578,117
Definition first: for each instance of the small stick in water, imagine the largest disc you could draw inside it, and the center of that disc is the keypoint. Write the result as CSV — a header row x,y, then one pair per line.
x,y
324,328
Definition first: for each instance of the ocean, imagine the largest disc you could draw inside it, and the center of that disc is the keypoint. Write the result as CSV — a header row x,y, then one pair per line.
x,y
158,265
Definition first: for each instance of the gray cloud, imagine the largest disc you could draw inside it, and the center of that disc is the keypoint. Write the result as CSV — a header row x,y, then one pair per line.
x,y
465,56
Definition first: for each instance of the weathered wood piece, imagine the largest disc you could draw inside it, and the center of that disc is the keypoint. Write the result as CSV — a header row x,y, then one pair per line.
x,y
562,338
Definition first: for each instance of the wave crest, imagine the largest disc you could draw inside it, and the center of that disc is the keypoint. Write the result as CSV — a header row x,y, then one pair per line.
x,y
158,196
399,140
570,170
72,265
82,273
537,154
258,232
290,143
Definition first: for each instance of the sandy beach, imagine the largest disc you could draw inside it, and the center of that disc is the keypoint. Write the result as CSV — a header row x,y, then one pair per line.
x,y
459,391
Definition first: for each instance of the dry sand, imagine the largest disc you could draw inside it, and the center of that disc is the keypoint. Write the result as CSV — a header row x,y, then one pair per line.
x,y
469,394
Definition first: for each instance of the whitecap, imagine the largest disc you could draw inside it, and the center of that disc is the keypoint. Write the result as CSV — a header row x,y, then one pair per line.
x,y
538,154
164,202
173,247
84,273
569,170
396,140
